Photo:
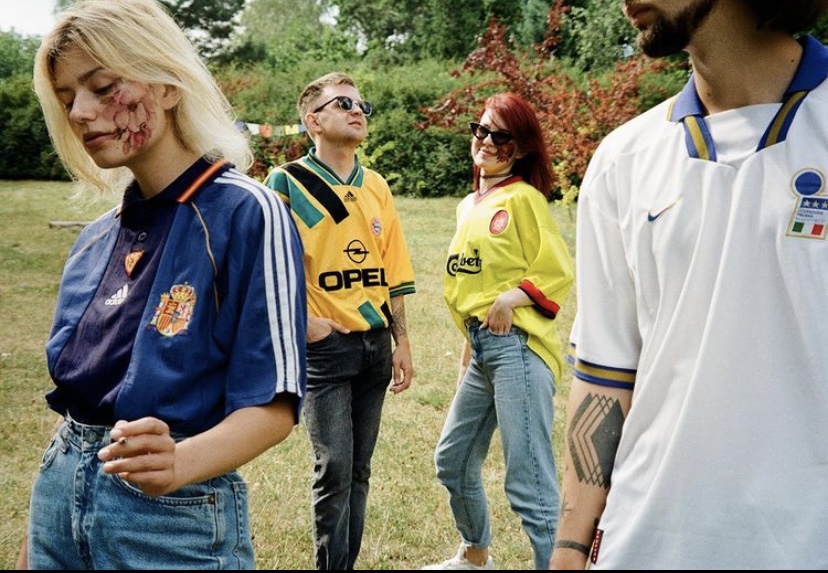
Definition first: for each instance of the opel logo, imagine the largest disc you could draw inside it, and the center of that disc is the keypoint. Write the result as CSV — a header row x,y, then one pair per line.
x,y
356,251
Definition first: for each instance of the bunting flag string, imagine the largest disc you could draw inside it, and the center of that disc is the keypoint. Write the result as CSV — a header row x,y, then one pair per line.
x,y
267,131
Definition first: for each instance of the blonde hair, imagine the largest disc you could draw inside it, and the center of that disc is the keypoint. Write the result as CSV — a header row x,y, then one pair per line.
x,y
138,40
314,89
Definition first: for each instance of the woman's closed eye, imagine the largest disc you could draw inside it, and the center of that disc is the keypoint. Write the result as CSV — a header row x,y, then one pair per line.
x,y
105,90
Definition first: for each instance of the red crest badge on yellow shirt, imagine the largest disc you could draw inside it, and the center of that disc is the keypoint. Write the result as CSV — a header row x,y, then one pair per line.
x,y
499,222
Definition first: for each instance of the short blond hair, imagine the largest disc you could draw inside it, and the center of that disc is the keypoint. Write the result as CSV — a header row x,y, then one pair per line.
x,y
314,89
138,40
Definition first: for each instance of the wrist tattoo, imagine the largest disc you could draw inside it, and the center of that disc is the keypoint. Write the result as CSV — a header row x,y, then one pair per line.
x,y
567,544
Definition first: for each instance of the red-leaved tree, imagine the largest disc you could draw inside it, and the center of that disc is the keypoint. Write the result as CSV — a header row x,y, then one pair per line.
x,y
574,117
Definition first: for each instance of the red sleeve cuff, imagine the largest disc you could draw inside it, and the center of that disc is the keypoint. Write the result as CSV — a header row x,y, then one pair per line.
x,y
545,306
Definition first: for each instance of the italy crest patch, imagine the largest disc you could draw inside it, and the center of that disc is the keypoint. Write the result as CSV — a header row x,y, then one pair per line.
x,y
810,217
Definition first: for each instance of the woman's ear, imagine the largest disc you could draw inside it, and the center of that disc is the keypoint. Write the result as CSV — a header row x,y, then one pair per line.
x,y
170,96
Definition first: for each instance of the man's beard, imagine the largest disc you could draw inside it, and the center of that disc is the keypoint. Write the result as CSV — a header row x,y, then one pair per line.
x,y
668,37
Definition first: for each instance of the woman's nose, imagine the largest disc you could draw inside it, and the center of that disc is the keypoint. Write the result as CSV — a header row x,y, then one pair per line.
x,y
84,108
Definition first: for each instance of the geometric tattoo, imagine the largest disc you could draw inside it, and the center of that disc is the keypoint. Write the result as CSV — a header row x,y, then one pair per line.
x,y
593,439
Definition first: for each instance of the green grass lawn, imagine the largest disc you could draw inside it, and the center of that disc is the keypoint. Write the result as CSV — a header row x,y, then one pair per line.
x,y
409,523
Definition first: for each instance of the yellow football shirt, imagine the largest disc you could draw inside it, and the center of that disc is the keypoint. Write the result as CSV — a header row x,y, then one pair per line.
x,y
355,256
508,238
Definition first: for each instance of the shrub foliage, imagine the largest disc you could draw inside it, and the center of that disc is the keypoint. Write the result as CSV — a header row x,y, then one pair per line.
x,y
418,137
575,115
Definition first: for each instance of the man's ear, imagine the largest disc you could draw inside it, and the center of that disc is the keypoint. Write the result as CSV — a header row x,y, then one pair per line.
x,y
312,125
311,121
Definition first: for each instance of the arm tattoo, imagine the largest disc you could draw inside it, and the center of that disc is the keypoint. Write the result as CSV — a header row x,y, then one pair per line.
x,y
593,439
567,544
398,325
584,548
565,507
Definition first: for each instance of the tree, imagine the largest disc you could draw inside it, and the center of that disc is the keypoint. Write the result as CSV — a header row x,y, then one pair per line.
x,y
16,54
449,30
25,149
210,24
285,33
417,29
597,35
381,24
531,28
820,30
575,117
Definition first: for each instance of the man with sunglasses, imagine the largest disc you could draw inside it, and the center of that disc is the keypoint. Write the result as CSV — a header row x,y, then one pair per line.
x,y
357,271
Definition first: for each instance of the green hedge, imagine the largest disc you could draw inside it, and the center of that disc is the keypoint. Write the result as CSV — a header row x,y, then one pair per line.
x,y
421,163
430,162
25,149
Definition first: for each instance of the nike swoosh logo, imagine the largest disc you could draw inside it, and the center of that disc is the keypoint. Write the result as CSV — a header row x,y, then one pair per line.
x,y
651,217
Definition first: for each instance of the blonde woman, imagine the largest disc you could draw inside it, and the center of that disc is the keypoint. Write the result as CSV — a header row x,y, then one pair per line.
x,y
177,344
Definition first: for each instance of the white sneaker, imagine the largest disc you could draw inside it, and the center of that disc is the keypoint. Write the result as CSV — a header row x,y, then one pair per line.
x,y
459,561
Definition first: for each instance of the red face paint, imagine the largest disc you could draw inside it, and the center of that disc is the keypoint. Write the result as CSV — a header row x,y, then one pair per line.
x,y
130,110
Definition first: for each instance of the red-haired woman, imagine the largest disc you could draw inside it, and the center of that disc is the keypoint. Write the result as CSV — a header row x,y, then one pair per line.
x,y
507,274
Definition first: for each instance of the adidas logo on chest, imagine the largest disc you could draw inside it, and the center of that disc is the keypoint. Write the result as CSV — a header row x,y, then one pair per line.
x,y
119,297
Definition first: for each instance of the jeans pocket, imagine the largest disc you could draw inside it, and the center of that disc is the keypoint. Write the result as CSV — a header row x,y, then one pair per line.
x,y
325,340
202,519
504,335
514,331
51,451
192,494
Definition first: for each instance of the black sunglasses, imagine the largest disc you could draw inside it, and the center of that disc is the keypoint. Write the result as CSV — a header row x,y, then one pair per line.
x,y
347,104
481,132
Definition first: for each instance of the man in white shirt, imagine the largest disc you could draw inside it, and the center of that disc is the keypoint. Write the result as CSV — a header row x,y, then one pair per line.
x,y
698,414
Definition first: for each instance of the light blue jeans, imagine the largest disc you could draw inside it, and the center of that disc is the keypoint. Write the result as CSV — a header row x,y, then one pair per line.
x,y
506,385
82,518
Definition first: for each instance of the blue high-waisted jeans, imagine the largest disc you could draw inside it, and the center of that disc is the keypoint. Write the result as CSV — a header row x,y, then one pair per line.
x,y
509,386
82,518
348,378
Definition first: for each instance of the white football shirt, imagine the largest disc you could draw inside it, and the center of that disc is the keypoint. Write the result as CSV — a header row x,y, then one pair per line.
x,y
702,283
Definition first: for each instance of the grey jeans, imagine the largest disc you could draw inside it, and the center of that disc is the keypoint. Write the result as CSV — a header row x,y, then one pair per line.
x,y
348,377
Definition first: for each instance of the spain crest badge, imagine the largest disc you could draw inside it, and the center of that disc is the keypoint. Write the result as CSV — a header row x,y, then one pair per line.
x,y
172,315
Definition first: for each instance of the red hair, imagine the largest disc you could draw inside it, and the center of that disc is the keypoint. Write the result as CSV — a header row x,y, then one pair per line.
x,y
517,117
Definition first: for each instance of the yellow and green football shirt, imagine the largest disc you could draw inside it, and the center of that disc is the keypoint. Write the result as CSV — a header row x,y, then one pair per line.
x,y
355,257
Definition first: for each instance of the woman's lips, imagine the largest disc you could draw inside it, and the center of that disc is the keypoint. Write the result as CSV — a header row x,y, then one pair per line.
x,y
96,139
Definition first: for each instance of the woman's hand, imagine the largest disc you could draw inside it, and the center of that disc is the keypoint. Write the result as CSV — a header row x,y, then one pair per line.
x,y
142,453
499,318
